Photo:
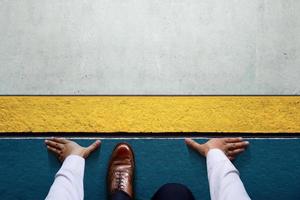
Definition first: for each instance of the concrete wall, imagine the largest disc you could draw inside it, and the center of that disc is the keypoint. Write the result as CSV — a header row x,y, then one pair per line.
x,y
149,47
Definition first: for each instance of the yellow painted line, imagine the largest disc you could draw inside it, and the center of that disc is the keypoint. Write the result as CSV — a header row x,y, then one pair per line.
x,y
266,114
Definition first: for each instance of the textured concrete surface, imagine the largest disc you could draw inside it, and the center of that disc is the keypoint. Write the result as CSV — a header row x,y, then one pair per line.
x,y
149,47
269,169
267,114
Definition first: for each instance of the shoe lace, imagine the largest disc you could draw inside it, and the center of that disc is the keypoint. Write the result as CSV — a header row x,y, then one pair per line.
x,y
121,179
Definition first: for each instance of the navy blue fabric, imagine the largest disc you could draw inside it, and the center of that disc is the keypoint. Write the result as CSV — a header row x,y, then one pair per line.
x,y
120,195
173,191
169,191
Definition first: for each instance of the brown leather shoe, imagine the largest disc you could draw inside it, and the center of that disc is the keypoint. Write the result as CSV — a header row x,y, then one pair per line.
x,y
121,170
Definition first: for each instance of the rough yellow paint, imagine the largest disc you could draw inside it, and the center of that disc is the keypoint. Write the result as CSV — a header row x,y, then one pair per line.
x,y
150,114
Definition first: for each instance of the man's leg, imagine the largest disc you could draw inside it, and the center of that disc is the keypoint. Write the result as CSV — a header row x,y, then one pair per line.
x,y
68,183
223,177
120,195
173,191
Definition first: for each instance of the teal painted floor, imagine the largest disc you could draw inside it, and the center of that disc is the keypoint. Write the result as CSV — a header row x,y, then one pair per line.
x,y
270,168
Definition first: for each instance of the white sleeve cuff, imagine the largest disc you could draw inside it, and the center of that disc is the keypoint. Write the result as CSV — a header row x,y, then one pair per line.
x,y
216,157
74,164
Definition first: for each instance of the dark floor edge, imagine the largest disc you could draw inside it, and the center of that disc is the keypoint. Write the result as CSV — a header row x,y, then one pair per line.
x,y
148,134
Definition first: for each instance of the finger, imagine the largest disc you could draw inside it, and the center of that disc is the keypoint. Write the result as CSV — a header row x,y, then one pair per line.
x,y
54,144
231,157
231,140
235,152
60,140
238,145
61,158
93,146
192,144
54,150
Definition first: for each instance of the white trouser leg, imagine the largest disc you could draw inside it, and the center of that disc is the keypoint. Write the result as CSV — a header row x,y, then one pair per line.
x,y
223,177
68,183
